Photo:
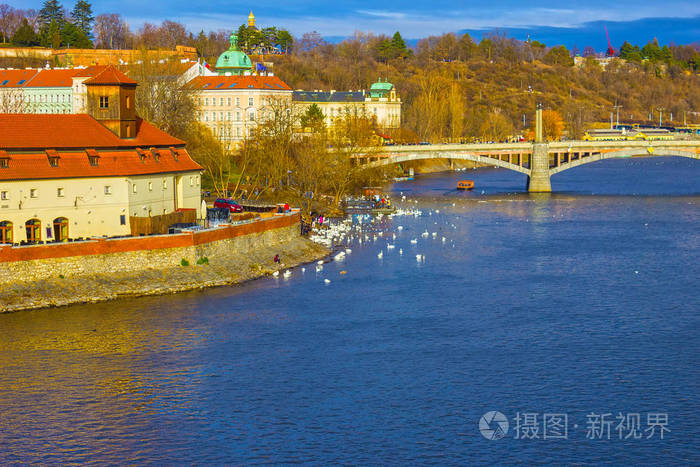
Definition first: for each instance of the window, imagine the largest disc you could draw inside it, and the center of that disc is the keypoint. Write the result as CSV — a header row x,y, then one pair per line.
x,y
133,188
206,101
104,102
228,116
122,219
165,183
221,102
128,102
4,195
238,116
94,160
251,116
229,102
60,192
191,181
108,189
221,116
33,193
238,101
4,162
250,101
53,157
150,186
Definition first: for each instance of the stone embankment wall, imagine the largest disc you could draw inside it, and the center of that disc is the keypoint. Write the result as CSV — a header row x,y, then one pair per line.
x,y
217,257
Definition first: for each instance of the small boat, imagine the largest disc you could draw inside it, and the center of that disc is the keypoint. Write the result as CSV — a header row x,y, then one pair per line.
x,y
465,185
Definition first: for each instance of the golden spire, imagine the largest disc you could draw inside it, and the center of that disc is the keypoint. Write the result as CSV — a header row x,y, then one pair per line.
x,y
251,20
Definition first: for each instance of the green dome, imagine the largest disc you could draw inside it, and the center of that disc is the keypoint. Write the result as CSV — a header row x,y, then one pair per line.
x,y
233,60
380,89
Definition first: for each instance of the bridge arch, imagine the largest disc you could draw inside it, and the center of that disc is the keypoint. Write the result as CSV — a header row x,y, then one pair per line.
x,y
649,151
409,157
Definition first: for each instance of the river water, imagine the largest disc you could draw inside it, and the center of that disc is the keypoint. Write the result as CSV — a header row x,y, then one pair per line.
x,y
577,313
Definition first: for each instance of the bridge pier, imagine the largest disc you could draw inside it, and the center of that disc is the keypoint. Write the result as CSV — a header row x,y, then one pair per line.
x,y
538,181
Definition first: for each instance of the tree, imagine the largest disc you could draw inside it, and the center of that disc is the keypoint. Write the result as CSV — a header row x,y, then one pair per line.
x,y
313,118
25,35
6,17
552,125
558,56
50,35
588,51
73,36
496,127
398,46
13,101
82,17
110,31
285,40
51,11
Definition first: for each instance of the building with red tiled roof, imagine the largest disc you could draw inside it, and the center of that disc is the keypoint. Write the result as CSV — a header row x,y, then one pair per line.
x,y
233,106
76,176
48,91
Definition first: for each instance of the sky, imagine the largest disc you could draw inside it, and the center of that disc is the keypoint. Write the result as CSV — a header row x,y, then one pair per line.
x,y
552,22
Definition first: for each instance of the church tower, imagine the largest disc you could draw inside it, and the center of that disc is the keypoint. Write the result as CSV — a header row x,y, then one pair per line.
x,y
251,20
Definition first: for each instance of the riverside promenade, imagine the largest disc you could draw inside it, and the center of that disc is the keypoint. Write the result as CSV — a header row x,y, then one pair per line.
x,y
60,274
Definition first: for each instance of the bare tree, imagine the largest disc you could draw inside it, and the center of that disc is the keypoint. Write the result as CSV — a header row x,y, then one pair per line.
x,y
111,31
13,101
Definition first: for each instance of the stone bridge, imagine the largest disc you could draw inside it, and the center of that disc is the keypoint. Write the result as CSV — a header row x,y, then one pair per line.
x,y
539,161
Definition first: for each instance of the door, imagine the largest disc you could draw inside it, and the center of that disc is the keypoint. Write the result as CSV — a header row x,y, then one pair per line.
x,y
33,229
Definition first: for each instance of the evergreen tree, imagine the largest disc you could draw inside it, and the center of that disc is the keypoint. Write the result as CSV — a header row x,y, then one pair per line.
x,y
398,45
51,11
50,35
313,118
82,17
74,37
284,40
25,35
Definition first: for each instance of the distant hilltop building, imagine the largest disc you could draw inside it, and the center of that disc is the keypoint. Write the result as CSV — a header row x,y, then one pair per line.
x,y
251,20
100,173
381,102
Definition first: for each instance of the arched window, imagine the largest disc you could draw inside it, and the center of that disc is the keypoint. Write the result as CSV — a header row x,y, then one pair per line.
x,y
5,232
60,229
33,228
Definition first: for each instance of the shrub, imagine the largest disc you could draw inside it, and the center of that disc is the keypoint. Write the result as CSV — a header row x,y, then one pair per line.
x,y
184,262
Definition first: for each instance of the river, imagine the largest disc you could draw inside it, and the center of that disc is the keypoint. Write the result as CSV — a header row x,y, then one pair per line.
x,y
576,315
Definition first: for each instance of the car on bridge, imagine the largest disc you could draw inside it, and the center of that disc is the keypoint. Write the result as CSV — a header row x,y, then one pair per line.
x,y
229,204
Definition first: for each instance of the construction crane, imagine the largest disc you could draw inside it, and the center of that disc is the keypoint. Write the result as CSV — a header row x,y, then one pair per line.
x,y
610,51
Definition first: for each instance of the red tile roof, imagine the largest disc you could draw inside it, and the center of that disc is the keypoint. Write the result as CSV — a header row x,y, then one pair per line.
x,y
110,75
12,78
115,163
73,131
226,83
28,140
52,79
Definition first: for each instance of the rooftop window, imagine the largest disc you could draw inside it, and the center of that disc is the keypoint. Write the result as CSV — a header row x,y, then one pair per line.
x,y
22,81
232,85
219,85
5,82
93,157
53,157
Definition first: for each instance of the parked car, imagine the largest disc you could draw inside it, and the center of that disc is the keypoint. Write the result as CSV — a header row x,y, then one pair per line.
x,y
228,203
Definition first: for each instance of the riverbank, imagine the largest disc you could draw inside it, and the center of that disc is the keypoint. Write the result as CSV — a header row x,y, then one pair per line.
x,y
225,262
